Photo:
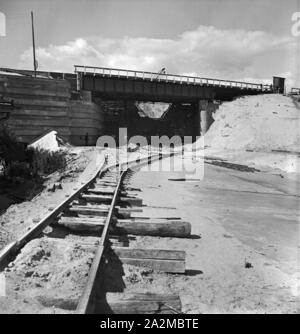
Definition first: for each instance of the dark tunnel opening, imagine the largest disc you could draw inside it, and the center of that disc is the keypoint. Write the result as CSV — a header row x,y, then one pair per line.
x,y
148,119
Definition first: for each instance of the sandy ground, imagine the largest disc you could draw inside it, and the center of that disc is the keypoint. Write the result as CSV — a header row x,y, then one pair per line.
x,y
21,217
284,163
261,131
236,217
47,276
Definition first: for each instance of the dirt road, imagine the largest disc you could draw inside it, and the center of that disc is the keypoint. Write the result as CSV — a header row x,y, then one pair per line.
x,y
244,253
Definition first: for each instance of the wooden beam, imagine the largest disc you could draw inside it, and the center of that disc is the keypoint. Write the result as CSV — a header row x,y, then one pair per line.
x,y
103,182
105,191
94,210
131,200
89,210
170,261
131,188
83,224
97,198
107,198
139,303
161,228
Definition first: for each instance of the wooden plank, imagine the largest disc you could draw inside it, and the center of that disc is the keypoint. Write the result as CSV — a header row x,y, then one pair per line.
x,y
121,210
98,211
84,219
38,92
107,184
160,260
131,188
81,224
107,198
109,179
40,102
102,182
125,303
105,191
162,228
110,191
141,253
167,266
131,200
145,216
97,198
89,210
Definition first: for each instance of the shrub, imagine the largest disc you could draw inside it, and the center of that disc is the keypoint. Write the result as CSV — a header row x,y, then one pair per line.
x,y
27,163
10,149
18,169
46,162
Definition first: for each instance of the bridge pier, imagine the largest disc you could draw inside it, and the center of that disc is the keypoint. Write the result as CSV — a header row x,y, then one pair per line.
x,y
205,110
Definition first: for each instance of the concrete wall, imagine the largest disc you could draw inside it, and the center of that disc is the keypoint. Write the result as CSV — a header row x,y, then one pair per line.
x,y
44,104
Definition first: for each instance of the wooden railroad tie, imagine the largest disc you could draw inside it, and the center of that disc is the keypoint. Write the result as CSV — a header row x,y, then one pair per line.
x,y
139,303
170,261
107,198
155,227
102,210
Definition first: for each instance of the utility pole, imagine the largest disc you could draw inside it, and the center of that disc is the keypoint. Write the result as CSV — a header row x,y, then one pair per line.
x,y
33,45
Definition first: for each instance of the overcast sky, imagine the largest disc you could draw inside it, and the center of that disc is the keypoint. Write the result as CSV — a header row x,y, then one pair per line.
x,y
229,39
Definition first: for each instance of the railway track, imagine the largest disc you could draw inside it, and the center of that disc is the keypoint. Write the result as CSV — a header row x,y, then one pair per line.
x,y
103,208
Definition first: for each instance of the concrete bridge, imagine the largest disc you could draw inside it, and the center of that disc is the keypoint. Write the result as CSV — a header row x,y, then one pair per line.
x,y
113,83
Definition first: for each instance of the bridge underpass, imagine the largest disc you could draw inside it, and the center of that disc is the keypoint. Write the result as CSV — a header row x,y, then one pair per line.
x,y
192,99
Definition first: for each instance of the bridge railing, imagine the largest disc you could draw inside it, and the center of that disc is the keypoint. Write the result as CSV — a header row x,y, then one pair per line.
x,y
152,76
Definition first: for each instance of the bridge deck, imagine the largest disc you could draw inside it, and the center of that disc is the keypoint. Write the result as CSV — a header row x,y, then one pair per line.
x,y
152,76
112,82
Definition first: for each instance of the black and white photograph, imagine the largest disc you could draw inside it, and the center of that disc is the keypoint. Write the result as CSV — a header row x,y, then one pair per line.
x,y
149,159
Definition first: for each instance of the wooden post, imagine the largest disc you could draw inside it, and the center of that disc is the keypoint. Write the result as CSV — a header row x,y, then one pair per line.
x,y
33,45
78,81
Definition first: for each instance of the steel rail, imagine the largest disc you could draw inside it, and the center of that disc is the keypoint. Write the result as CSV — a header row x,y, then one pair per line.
x,y
86,302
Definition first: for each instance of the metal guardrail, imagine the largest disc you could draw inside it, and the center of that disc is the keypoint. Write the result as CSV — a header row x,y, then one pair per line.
x,y
172,78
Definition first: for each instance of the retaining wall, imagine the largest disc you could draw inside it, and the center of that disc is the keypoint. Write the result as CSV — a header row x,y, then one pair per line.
x,y
42,104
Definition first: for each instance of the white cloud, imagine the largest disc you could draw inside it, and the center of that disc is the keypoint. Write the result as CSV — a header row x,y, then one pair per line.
x,y
206,51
